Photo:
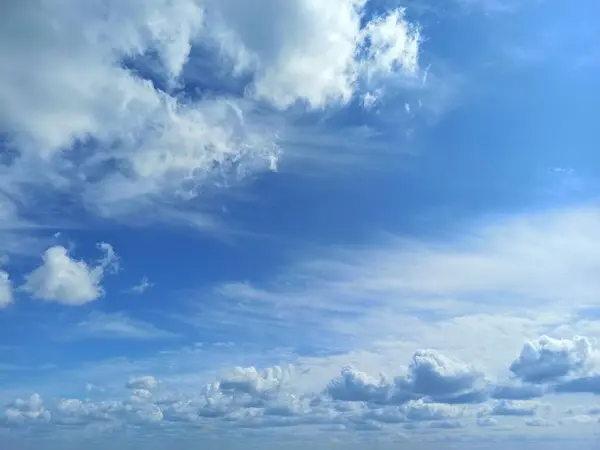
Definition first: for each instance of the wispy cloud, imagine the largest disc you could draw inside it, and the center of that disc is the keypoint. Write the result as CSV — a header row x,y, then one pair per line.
x,y
450,292
141,287
100,325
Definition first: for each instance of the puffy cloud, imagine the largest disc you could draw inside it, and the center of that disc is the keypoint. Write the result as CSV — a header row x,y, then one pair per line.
x,y
22,412
6,294
323,54
110,108
446,379
65,280
147,382
84,412
419,410
430,375
512,408
486,421
251,381
547,359
356,386
432,393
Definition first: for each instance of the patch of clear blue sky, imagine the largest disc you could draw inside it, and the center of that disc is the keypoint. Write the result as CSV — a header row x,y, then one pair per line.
x,y
529,108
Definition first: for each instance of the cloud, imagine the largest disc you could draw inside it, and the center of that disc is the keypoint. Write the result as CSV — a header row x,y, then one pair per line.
x,y
514,408
147,382
529,259
68,281
519,392
587,384
445,379
133,109
274,397
430,375
6,294
142,286
322,56
22,412
100,325
486,422
539,422
418,410
547,359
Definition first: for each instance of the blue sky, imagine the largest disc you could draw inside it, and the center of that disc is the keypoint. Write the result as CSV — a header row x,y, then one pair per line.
x,y
314,223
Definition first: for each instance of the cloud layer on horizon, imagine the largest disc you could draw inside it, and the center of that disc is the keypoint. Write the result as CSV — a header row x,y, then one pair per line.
x,y
435,391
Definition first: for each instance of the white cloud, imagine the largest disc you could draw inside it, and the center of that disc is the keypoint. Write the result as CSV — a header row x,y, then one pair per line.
x,y
101,325
514,408
22,412
321,55
419,410
6,294
147,382
65,280
539,422
547,359
83,123
392,295
430,375
142,286
271,398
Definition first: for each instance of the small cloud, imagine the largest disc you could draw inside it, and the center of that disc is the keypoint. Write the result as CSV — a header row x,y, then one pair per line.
x,y
486,422
512,408
63,279
142,286
100,325
24,412
539,422
90,387
369,99
146,382
6,294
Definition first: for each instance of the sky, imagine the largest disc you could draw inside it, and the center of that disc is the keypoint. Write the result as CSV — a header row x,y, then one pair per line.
x,y
288,223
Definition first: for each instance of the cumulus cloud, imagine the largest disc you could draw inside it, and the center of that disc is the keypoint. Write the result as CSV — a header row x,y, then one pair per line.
x,y
430,375
63,279
547,359
111,108
22,412
323,54
419,410
486,421
513,408
423,397
6,293
147,382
